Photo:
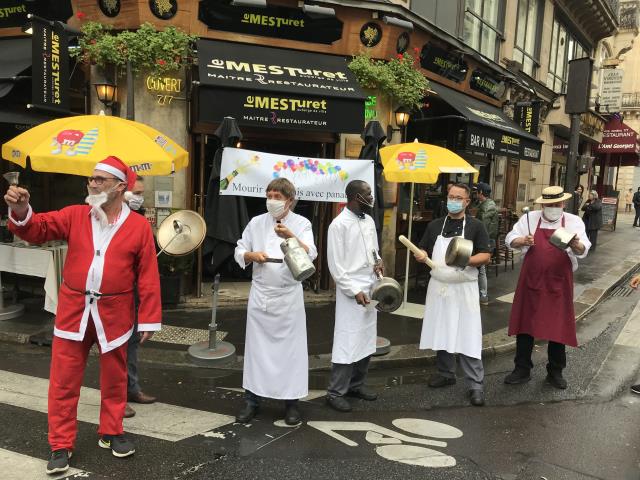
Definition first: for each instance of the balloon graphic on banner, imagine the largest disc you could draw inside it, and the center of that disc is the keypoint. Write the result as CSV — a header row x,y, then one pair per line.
x,y
309,165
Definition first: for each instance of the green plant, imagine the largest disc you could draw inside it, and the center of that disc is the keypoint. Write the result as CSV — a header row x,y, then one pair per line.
x,y
170,265
399,78
159,52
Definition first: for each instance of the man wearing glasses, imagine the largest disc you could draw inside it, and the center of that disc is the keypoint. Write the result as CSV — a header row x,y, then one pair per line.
x,y
109,251
452,321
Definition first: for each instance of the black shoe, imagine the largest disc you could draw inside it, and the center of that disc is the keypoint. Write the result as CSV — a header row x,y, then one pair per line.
x,y
556,379
59,461
476,398
339,403
247,413
635,389
364,393
292,415
517,376
437,381
120,445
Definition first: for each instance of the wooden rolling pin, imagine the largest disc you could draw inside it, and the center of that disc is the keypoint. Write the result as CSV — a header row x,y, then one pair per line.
x,y
407,243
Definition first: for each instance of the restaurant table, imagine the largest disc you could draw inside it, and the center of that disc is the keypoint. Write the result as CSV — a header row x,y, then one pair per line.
x,y
44,261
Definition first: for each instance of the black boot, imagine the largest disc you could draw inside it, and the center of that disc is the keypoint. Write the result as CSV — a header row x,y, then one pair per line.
x,y
247,413
292,414
518,376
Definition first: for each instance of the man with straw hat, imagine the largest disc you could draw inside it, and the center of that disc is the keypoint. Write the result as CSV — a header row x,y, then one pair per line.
x,y
110,251
543,303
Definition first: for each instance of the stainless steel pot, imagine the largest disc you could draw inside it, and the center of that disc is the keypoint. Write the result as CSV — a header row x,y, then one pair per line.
x,y
458,252
387,292
561,238
297,260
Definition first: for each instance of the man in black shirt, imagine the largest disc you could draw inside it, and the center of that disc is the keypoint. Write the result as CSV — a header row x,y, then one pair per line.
x,y
452,322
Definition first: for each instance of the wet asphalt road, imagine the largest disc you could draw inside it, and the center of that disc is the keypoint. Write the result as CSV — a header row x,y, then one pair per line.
x,y
525,432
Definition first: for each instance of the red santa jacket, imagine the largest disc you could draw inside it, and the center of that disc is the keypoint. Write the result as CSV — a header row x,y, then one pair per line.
x,y
100,271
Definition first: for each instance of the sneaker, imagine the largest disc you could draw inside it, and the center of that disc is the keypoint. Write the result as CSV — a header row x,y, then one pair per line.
x,y
635,389
484,300
59,461
437,381
120,445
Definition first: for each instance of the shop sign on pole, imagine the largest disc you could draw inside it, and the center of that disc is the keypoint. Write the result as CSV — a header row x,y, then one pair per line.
x,y
527,115
247,173
50,66
611,90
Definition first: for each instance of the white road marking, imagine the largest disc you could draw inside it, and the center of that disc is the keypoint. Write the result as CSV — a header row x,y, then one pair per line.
x,y
427,428
159,420
16,466
630,334
412,455
508,298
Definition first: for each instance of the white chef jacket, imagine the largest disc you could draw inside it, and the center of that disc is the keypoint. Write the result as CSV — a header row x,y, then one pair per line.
x,y
572,223
350,245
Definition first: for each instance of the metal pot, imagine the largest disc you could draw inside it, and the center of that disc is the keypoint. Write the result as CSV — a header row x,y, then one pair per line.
x,y
459,252
297,260
561,238
388,293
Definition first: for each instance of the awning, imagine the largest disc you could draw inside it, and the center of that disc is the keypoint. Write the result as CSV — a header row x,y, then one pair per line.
x,y
14,60
489,129
278,88
24,116
621,142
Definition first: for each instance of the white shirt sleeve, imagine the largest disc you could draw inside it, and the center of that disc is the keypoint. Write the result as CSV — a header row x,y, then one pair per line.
x,y
307,238
520,229
23,222
245,244
336,244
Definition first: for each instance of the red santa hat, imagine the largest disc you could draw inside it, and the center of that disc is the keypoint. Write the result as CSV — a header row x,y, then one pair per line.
x,y
118,169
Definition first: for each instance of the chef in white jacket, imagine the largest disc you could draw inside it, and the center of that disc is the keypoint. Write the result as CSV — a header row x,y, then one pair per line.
x,y
352,241
275,357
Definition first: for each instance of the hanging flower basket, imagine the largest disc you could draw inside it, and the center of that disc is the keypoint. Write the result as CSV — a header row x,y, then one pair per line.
x,y
399,78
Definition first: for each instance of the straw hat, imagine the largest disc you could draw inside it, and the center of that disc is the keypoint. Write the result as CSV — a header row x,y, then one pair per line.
x,y
553,195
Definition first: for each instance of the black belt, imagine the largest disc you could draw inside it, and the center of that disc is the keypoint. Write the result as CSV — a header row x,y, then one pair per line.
x,y
94,294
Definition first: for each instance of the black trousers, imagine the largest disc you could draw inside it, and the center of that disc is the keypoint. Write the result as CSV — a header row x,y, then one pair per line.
x,y
592,235
556,353
636,220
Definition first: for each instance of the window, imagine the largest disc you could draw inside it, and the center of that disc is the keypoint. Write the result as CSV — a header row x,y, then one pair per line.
x,y
564,47
483,21
527,47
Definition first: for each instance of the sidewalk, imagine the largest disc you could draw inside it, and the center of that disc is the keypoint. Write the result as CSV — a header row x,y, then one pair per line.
x,y
617,255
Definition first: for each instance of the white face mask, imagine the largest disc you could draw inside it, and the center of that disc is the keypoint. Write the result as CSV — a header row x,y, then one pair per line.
x,y
134,201
552,213
276,207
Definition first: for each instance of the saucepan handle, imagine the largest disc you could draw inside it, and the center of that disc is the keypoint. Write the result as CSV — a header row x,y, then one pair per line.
x,y
411,246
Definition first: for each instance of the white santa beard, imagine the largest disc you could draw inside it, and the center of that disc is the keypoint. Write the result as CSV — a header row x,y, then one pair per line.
x,y
96,201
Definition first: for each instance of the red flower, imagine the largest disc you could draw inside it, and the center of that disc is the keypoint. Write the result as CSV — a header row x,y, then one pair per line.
x,y
161,62
399,56
81,15
416,49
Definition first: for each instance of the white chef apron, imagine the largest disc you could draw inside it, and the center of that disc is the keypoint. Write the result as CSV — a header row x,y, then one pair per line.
x,y
276,362
452,309
355,332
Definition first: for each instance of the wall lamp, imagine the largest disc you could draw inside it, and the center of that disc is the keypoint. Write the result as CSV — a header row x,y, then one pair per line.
x,y
107,92
317,10
249,3
398,22
402,116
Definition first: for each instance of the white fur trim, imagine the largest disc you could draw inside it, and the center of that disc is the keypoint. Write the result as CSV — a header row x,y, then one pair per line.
x,y
22,223
149,327
112,170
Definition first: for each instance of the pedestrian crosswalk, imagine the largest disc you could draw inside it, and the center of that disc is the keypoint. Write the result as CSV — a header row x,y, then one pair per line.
x,y
160,420
16,466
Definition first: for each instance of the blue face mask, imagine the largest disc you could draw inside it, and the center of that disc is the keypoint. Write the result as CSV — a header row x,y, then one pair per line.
x,y
454,206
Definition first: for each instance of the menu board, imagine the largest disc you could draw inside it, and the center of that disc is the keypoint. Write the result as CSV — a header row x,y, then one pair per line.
x,y
609,212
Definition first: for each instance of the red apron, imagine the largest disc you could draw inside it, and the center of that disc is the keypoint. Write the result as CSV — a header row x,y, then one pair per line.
x,y
543,303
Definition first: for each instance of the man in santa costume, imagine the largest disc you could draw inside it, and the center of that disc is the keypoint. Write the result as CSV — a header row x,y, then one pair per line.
x,y
109,251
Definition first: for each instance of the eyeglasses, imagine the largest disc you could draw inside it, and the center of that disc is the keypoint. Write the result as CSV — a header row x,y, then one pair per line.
x,y
459,199
99,180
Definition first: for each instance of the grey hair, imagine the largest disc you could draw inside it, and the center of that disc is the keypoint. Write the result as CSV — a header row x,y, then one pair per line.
x,y
595,194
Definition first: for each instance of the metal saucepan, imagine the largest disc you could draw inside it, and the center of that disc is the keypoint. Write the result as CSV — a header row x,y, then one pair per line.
x,y
561,238
459,252
387,292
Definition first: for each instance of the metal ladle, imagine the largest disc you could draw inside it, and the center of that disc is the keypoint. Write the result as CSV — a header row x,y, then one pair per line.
x,y
526,210
178,227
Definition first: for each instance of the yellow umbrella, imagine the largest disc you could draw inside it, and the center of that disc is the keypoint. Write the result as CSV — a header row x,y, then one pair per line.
x,y
419,163
75,144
